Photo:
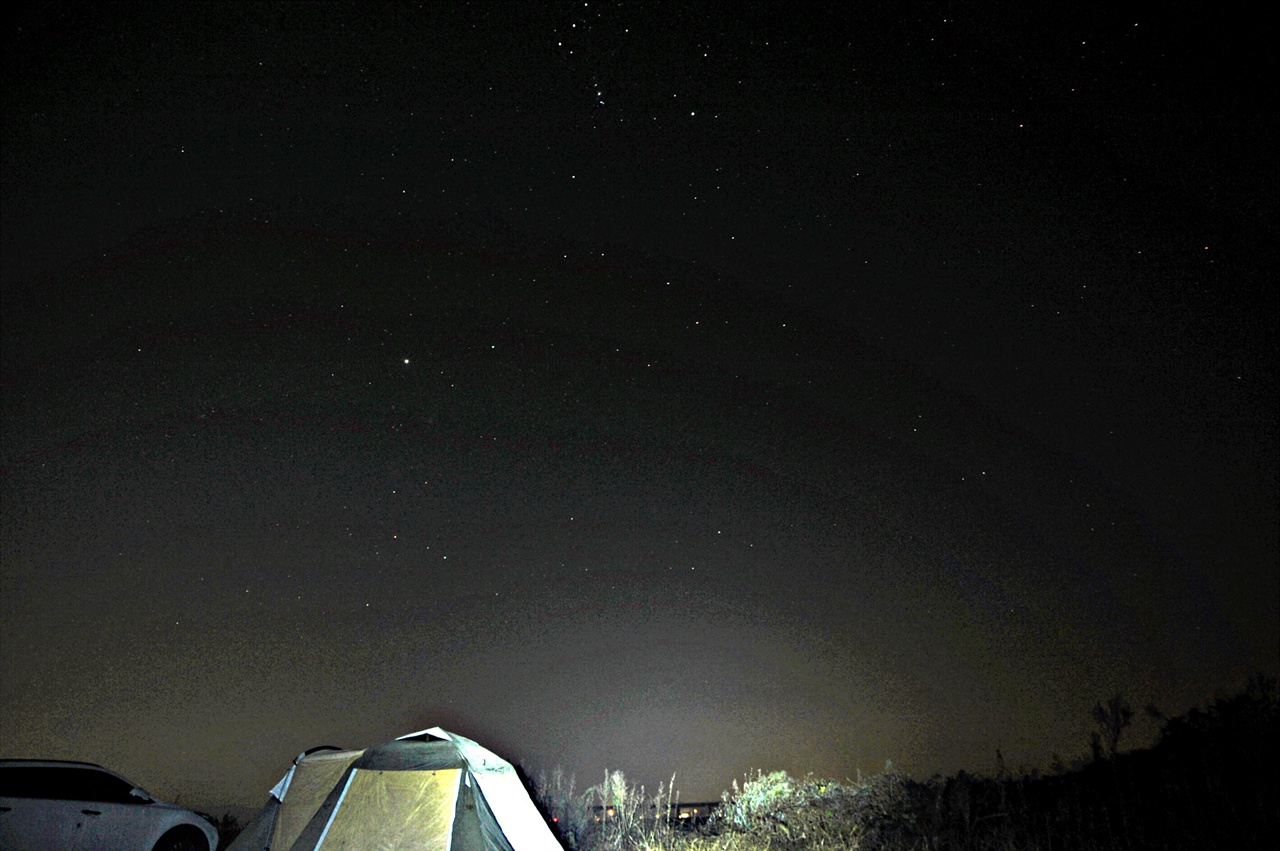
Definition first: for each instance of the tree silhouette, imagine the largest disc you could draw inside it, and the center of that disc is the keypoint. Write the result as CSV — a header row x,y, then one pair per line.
x,y
1112,719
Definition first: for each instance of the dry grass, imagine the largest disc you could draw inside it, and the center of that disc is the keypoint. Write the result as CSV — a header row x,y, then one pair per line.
x,y
1210,783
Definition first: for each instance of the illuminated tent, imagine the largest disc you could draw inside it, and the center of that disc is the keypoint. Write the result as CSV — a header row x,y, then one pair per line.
x,y
428,791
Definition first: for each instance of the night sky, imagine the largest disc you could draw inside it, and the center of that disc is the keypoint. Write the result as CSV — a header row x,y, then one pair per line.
x,y
672,388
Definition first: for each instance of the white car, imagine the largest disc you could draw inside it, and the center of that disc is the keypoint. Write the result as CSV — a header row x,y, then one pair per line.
x,y
50,805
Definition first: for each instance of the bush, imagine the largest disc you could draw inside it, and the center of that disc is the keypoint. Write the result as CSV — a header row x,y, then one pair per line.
x,y
229,827
793,813
1209,783
611,816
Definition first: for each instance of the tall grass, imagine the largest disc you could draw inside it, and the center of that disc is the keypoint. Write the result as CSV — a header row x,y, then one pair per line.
x,y
1211,782
612,815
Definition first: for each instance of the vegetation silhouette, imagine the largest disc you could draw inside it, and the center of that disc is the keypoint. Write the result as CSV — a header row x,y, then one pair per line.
x,y
1209,782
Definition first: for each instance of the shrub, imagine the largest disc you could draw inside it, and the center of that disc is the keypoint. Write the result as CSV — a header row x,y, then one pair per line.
x,y
613,815
569,815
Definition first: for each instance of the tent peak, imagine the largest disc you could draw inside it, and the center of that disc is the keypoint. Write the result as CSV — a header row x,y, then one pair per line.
x,y
434,732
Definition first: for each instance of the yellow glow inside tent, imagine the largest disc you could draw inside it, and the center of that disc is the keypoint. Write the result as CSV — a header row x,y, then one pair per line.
x,y
395,811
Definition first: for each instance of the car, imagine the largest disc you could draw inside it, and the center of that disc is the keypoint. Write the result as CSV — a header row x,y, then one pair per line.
x,y
55,805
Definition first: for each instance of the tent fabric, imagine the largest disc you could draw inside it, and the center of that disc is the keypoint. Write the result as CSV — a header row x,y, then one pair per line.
x,y
307,785
256,835
500,786
427,790
395,809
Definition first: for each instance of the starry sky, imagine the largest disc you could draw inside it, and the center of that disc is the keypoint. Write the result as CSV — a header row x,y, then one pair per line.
x,y
674,388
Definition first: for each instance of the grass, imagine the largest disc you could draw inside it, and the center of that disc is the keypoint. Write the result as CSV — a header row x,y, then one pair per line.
x,y
1211,782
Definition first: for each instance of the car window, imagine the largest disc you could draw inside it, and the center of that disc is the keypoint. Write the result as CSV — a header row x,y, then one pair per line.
x,y
28,781
69,783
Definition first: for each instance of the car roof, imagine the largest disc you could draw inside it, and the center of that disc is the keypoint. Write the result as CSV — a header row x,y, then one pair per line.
x,y
49,763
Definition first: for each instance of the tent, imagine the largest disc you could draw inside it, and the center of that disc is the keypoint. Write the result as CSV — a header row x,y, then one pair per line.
x,y
427,791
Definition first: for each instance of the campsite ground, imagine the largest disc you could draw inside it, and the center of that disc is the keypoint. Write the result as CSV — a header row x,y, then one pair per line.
x,y
1207,784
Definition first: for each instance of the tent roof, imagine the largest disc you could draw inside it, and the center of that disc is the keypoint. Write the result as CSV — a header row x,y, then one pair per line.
x,y
428,750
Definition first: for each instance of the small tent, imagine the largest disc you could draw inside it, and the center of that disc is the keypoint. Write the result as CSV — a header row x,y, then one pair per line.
x,y
427,791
